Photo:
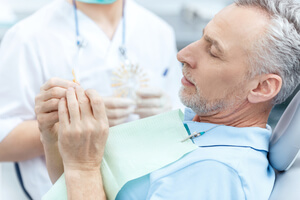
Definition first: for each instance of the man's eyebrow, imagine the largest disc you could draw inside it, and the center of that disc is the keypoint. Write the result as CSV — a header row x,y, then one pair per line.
x,y
214,42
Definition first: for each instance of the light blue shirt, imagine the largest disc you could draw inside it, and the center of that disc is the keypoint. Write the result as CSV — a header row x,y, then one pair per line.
x,y
230,164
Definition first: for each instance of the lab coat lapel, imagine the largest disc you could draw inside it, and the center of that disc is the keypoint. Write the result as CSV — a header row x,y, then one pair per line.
x,y
92,33
115,43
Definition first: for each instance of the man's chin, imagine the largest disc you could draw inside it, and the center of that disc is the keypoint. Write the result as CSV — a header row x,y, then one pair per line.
x,y
200,106
187,92
188,99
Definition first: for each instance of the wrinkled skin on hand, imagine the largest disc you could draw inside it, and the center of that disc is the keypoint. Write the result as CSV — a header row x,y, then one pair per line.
x,y
83,129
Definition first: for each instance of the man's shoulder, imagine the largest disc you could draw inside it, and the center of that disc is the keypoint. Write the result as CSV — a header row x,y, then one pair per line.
x,y
191,163
212,178
221,168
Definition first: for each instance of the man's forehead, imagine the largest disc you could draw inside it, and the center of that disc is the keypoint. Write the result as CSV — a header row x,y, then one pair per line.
x,y
239,24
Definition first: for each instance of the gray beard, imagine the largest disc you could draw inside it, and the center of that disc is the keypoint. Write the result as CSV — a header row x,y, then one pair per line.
x,y
199,104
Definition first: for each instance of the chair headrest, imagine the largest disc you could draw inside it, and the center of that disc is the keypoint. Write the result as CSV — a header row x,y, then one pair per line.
x,y
285,140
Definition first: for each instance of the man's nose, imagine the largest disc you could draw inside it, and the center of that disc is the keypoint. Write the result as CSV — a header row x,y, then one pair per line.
x,y
186,55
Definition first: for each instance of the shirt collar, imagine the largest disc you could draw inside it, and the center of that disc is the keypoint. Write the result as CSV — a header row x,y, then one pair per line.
x,y
251,137
189,114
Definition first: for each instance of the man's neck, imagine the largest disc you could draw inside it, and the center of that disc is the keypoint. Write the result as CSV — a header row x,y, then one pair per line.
x,y
244,115
106,16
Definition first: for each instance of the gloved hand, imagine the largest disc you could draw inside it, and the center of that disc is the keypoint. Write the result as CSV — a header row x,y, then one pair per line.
x,y
151,101
118,109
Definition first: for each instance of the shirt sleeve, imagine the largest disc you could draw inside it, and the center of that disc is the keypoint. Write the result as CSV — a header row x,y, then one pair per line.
x,y
20,80
203,180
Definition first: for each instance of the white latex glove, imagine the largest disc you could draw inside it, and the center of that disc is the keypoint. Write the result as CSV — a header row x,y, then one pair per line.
x,y
118,109
151,101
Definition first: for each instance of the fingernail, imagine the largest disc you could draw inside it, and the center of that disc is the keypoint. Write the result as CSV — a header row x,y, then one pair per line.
x,y
70,89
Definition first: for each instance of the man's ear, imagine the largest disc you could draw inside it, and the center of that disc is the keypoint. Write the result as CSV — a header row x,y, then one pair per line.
x,y
266,88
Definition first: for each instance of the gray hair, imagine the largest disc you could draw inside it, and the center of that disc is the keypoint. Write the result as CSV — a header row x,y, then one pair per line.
x,y
278,50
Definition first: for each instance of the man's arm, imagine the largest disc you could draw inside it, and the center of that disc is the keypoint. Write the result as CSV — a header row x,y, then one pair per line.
x,y
84,184
46,109
53,161
82,135
22,143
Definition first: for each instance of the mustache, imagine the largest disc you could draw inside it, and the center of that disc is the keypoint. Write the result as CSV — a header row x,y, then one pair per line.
x,y
187,74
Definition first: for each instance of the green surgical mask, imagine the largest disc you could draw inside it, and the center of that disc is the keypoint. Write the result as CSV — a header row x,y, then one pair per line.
x,y
98,1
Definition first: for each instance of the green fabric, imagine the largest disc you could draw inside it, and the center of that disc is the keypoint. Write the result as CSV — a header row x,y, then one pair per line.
x,y
135,149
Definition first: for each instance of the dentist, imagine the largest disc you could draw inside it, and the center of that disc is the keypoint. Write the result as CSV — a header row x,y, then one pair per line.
x,y
118,48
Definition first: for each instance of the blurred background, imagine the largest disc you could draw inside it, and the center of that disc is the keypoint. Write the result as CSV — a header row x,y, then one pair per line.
x,y
187,17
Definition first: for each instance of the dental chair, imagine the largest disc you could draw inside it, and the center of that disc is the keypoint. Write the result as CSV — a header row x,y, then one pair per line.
x,y
284,153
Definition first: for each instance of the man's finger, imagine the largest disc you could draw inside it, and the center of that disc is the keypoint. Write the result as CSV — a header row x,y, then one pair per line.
x,y
114,102
97,104
48,119
63,115
54,93
49,106
84,103
73,106
58,82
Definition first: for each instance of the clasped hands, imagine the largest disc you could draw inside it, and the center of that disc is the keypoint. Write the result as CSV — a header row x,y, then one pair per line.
x,y
74,120
78,120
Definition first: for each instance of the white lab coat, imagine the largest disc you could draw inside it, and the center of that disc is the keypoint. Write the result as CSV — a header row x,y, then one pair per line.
x,y
44,46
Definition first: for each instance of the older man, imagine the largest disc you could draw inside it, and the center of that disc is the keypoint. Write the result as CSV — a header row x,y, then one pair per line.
x,y
246,62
